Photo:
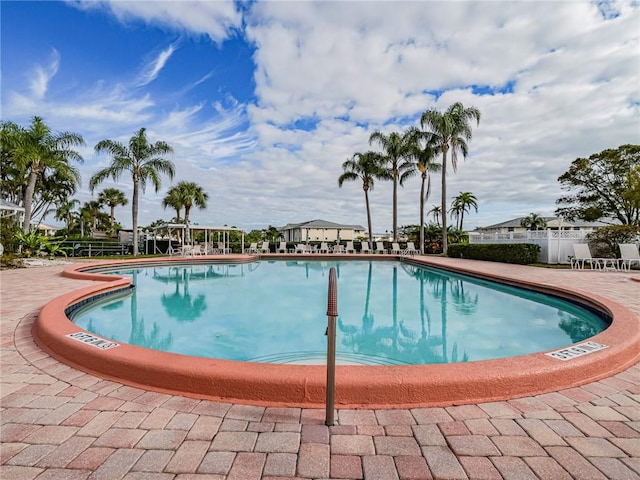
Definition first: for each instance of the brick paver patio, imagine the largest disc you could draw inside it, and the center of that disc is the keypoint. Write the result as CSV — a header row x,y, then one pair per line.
x,y
60,423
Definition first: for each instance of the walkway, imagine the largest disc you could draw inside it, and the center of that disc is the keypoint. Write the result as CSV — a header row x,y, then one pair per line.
x,y
60,423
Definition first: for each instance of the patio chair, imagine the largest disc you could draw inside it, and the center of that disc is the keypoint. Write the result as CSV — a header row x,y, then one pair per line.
x,y
253,248
301,248
629,255
364,247
324,248
222,248
265,248
350,248
410,250
380,247
395,249
337,248
582,255
282,248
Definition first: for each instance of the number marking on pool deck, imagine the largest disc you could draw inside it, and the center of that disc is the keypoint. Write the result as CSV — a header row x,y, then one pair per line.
x,y
577,350
92,340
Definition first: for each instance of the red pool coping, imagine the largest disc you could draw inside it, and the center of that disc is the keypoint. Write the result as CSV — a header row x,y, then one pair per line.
x,y
356,386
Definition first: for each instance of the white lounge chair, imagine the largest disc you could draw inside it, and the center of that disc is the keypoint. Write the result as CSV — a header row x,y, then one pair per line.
x,y
301,248
350,248
629,255
380,247
223,249
253,248
282,248
582,256
265,248
364,247
395,249
410,250
324,248
337,248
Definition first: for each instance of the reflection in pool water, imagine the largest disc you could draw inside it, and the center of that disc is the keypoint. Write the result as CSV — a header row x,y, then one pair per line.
x,y
390,313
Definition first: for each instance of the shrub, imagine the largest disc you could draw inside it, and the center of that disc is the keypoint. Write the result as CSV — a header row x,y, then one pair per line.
x,y
604,242
520,253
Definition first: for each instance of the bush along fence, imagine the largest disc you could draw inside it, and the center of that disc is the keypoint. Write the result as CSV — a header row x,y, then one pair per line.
x,y
520,253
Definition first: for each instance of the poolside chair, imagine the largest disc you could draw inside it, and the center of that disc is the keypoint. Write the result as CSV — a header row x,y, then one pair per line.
x,y
380,247
582,255
349,248
364,247
282,248
222,248
187,250
324,248
337,248
395,249
253,248
301,248
265,248
410,250
629,255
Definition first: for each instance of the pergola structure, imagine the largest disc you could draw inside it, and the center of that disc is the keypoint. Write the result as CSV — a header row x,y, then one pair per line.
x,y
188,230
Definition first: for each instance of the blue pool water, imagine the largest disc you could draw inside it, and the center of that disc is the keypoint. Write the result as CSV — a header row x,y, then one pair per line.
x,y
389,313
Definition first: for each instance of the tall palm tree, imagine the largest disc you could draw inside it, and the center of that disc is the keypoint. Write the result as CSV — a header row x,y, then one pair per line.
x,y
37,150
463,203
112,197
533,222
367,167
64,212
396,147
191,194
435,212
449,131
144,161
422,162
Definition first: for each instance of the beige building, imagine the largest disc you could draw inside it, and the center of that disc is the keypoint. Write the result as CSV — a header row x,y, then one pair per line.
x,y
553,223
320,231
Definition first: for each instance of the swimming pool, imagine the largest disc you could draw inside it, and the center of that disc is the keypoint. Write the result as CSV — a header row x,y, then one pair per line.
x,y
362,386
391,313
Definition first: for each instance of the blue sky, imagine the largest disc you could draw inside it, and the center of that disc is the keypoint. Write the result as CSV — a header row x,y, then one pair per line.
x,y
263,101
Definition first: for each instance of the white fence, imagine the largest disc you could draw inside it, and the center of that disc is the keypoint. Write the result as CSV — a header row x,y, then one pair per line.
x,y
556,246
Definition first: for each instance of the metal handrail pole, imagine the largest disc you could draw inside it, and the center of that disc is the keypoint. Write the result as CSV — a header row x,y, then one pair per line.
x,y
332,313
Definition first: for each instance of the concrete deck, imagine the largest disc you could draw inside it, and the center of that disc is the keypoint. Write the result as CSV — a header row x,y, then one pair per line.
x,y
60,423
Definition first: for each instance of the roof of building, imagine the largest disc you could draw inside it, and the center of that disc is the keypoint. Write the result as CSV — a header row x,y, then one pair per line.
x,y
4,205
551,221
320,224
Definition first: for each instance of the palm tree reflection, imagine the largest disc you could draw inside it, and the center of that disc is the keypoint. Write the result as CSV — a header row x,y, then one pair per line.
x,y
138,335
399,342
180,305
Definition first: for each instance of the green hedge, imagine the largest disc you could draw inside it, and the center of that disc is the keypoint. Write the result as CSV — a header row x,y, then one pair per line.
x,y
520,253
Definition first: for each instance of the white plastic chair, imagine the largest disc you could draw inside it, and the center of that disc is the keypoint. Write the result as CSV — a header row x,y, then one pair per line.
x,y
253,248
629,255
265,248
410,250
282,248
395,249
365,248
349,248
582,255
380,247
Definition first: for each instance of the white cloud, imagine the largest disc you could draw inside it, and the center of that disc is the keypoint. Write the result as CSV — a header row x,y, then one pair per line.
x,y
152,69
42,74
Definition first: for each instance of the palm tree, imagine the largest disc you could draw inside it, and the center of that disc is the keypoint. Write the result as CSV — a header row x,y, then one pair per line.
x,y
395,147
367,167
173,200
436,211
449,131
191,194
143,160
64,212
463,203
35,151
533,222
91,210
423,163
112,197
